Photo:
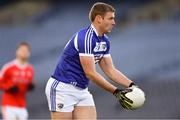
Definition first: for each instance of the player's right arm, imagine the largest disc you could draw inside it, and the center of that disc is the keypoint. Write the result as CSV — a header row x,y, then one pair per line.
x,y
2,78
6,84
88,65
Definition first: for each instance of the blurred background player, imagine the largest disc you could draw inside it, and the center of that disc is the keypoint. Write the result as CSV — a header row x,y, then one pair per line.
x,y
15,81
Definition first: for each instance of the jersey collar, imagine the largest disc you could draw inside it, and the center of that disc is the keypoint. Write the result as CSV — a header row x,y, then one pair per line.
x,y
19,65
94,29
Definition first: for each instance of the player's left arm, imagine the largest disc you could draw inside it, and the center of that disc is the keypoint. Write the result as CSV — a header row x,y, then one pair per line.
x,y
115,75
31,85
112,73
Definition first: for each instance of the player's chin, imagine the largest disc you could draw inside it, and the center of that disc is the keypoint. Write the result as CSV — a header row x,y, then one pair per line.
x,y
109,31
25,58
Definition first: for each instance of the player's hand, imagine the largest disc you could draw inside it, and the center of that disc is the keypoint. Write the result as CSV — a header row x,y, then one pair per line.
x,y
13,89
123,100
31,87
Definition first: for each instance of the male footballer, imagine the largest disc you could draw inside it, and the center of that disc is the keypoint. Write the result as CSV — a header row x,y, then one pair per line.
x,y
15,81
67,89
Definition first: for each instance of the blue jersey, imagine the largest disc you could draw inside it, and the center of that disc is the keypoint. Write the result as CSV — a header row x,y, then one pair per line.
x,y
86,42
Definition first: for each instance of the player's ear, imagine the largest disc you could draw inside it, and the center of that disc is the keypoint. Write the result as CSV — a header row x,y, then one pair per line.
x,y
99,18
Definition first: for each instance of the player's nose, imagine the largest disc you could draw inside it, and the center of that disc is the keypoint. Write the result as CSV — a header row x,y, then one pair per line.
x,y
113,22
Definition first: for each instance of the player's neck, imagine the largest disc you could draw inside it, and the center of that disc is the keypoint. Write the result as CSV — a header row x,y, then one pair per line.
x,y
21,61
98,30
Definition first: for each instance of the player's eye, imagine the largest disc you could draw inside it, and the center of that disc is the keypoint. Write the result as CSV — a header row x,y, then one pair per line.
x,y
111,18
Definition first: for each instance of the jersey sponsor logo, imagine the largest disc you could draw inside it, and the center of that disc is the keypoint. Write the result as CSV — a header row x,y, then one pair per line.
x,y
100,47
20,76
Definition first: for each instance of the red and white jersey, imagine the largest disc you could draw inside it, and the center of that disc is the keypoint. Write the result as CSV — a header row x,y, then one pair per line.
x,y
15,74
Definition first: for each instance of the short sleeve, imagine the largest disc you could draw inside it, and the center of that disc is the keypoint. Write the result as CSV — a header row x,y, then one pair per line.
x,y
1,74
3,71
84,43
5,83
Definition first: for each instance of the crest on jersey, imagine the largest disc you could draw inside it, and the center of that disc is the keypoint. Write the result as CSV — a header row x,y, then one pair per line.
x,y
100,46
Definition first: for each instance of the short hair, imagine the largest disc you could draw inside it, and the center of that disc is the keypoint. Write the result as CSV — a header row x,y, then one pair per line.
x,y
100,8
24,44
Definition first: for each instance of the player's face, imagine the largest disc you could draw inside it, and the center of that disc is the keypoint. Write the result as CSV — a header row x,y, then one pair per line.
x,y
108,22
23,52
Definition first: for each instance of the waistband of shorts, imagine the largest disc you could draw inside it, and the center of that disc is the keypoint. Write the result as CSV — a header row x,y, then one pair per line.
x,y
76,86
